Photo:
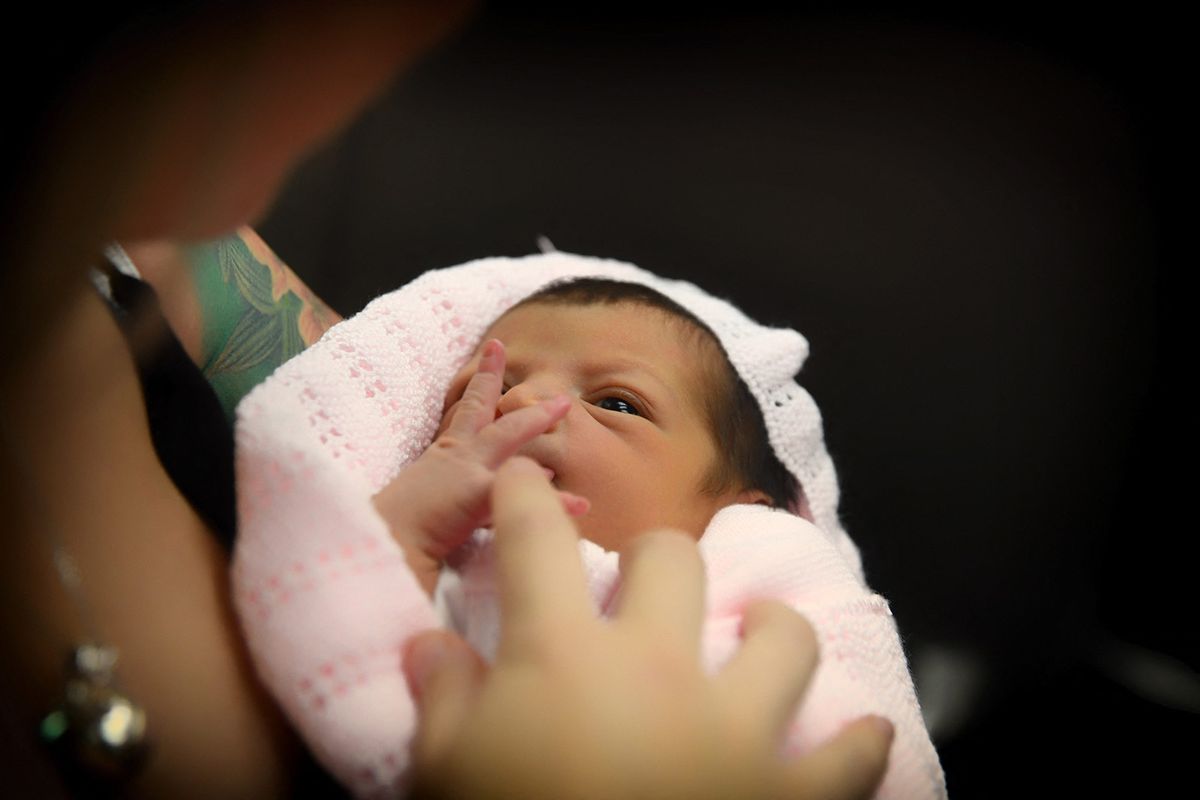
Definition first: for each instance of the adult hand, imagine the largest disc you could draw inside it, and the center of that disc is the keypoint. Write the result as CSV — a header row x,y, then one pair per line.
x,y
580,707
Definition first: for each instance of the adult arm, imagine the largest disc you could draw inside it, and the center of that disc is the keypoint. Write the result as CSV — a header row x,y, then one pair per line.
x,y
78,466
238,310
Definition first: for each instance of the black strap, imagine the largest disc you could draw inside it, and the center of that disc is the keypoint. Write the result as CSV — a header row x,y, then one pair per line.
x,y
191,435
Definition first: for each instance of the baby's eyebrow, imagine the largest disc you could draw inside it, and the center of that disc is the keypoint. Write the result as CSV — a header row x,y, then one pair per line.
x,y
620,366
615,363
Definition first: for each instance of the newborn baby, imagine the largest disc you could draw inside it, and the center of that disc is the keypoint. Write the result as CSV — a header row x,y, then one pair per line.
x,y
644,413
637,393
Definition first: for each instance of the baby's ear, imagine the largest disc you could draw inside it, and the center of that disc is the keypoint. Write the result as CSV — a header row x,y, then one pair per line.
x,y
754,497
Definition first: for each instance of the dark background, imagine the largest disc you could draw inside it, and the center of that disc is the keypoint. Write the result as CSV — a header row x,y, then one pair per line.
x,y
969,214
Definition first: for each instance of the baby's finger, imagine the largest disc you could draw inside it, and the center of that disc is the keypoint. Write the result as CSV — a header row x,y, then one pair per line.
x,y
500,441
477,407
662,588
847,767
537,554
573,504
767,676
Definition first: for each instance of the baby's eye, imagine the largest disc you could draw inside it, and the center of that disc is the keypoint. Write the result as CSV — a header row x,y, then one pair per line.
x,y
618,404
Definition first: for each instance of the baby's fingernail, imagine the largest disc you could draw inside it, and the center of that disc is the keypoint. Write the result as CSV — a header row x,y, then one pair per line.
x,y
578,506
557,404
491,350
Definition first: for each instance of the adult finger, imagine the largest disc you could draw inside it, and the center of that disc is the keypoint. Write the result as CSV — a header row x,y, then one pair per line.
x,y
444,675
768,674
477,406
848,767
539,574
502,440
662,587
575,505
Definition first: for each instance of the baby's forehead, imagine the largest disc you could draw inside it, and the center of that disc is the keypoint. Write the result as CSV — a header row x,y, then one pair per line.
x,y
673,326
703,351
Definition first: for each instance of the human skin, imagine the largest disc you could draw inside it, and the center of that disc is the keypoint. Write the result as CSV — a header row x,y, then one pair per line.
x,y
166,138
178,137
438,500
634,441
608,406
223,298
187,130
579,707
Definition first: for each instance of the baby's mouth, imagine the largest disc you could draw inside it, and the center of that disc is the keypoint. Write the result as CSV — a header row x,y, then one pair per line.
x,y
538,452
549,472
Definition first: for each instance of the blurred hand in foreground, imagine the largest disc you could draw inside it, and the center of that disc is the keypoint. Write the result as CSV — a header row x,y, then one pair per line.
x,y
582,707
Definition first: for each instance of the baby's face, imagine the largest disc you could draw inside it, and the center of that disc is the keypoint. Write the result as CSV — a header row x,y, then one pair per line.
x,y
634,442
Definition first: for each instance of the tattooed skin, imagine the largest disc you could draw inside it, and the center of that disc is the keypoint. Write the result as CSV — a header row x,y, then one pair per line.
x,y
256,313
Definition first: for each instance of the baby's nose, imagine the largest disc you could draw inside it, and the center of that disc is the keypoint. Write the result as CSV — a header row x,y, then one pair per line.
x,y
525,394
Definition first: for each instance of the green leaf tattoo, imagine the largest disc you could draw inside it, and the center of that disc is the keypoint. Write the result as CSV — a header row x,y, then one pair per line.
x,y
251,277
247,332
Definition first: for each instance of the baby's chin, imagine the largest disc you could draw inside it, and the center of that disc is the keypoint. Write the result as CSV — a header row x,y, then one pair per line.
x,y
615,539
605,538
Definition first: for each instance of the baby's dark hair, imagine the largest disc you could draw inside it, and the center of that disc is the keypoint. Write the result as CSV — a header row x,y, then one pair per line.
x,y
745,459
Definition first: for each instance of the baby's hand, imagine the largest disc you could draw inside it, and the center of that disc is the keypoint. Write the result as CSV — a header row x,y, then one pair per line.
x,y
435,503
